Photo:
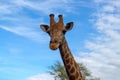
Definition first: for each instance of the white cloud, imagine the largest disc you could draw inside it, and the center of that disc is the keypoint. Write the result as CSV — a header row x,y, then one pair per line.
x,y
45,76
104,51
4,9
43,6
13,14
26,32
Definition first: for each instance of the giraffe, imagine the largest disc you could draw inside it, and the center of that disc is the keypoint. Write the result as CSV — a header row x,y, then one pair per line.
x,y
57,31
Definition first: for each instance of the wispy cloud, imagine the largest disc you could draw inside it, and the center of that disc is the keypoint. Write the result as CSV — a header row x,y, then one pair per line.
x,y
40,5
103,58
45,76
25,32
16,20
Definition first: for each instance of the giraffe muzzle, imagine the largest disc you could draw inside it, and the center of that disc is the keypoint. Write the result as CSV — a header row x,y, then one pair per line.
x,y
54,46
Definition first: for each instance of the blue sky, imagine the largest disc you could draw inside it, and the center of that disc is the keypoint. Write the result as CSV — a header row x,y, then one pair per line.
x,y
94,39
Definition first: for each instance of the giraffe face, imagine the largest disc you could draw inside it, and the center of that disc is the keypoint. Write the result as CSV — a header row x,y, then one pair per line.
x,y
56,36
56,32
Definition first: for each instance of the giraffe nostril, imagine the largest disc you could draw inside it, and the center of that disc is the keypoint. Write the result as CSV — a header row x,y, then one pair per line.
x,y
55,41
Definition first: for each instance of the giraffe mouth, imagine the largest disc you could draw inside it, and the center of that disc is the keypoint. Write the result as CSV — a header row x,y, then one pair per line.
x,y
54,46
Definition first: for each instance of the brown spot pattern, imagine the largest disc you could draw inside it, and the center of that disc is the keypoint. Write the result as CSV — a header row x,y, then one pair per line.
x,y
72,70
72,77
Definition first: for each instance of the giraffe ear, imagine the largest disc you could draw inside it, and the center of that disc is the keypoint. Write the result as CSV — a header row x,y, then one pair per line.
x,y
44,27
69,26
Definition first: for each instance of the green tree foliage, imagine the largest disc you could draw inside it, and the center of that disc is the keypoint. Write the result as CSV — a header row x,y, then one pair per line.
x,y
59,73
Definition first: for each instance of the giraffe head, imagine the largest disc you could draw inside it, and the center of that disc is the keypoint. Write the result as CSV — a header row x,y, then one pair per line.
x,y
56,31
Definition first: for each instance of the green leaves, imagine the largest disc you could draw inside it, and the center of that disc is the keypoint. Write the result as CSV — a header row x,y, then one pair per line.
x,y
59,72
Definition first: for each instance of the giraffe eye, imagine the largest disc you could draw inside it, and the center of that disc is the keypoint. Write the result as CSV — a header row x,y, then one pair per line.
x,y
64,31
48,32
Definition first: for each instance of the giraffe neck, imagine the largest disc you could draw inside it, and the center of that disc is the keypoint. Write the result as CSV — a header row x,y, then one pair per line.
x,y
71,67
